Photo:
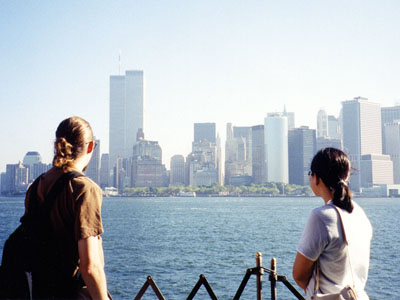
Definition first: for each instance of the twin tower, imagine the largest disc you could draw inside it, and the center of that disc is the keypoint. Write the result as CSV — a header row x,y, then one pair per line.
x,y
126,113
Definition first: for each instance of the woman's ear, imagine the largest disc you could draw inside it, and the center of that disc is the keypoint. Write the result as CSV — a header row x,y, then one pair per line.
x,y
316,180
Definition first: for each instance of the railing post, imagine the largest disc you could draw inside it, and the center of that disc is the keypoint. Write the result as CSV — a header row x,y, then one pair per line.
x,y
273,278
259,275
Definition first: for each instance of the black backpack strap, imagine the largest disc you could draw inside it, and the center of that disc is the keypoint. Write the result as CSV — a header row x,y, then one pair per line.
x,y
34,206
57,188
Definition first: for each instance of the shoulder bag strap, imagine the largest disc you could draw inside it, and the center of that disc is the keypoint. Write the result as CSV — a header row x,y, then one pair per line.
x,y
316,280
345,239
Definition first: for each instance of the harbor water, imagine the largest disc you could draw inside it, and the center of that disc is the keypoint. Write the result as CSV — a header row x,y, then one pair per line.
x,y
176,239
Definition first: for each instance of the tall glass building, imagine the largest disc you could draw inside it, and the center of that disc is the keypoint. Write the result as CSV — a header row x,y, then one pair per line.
x,y
389,115
302,148
126,113
362,133
205,131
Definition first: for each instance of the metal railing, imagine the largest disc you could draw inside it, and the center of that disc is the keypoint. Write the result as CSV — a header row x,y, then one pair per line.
x,y
259,271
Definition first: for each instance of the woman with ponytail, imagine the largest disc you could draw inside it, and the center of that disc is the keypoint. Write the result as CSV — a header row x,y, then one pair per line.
x,y
75,217
323,239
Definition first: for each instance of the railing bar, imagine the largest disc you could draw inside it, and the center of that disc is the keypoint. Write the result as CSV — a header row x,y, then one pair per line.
x,y
143,289
209,289
195,289
156,289
291,287
243,284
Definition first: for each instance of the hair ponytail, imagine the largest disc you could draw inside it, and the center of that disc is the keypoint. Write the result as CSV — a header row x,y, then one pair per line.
x,y
63,155
342,196
71,136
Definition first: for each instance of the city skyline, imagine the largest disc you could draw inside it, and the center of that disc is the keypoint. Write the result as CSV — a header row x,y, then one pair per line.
x,y
203,62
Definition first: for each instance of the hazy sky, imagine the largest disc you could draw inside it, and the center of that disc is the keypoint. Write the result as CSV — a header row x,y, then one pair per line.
x,y
203,61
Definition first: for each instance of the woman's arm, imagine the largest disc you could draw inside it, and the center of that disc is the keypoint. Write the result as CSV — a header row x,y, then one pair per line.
x,y
302,270
92,266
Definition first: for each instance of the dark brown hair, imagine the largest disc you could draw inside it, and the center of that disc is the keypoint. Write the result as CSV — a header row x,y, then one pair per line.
x,y
71,137
333,167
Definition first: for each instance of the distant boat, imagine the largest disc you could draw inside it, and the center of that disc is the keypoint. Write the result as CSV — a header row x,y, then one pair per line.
x,y
110,192
186,194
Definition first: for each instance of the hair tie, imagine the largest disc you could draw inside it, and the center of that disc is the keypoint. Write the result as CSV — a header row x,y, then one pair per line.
x,y
343,182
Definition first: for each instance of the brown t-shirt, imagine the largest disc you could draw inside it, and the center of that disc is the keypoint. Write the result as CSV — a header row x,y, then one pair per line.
x,y
75,215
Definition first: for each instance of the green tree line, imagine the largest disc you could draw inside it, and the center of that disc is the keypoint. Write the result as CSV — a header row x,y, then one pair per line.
x,y
268,189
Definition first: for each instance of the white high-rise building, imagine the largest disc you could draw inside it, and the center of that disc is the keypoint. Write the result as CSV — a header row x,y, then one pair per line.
x,y
361,133
126,113
276,147
322,123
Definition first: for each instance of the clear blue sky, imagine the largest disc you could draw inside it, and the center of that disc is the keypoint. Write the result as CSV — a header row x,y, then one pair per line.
x,y
203,61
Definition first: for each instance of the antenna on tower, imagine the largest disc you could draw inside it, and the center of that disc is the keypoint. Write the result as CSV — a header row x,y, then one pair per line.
x,y
119,63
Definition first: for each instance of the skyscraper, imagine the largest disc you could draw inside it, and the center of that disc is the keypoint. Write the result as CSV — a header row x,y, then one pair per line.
x,y
392,138
322,123
276,147
389,115
258,154
177,175
362,133
147,167
105,171
333,127
238,154
376,169
302,148
30,159
126,113
290,118
93,170
205,131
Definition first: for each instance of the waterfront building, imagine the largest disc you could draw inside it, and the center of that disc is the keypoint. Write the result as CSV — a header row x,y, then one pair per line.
x,y
38,169
118,175
388,115
177,174
290,117
105,171
238,152
93,169
219,161
258,151
276,148
302,148
2,183
376,169
392,146
147,168
205,131
148,172
126,113
334,128
245,133
240,180
322,123
325,142
362,133
201,164
31,158
17,179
